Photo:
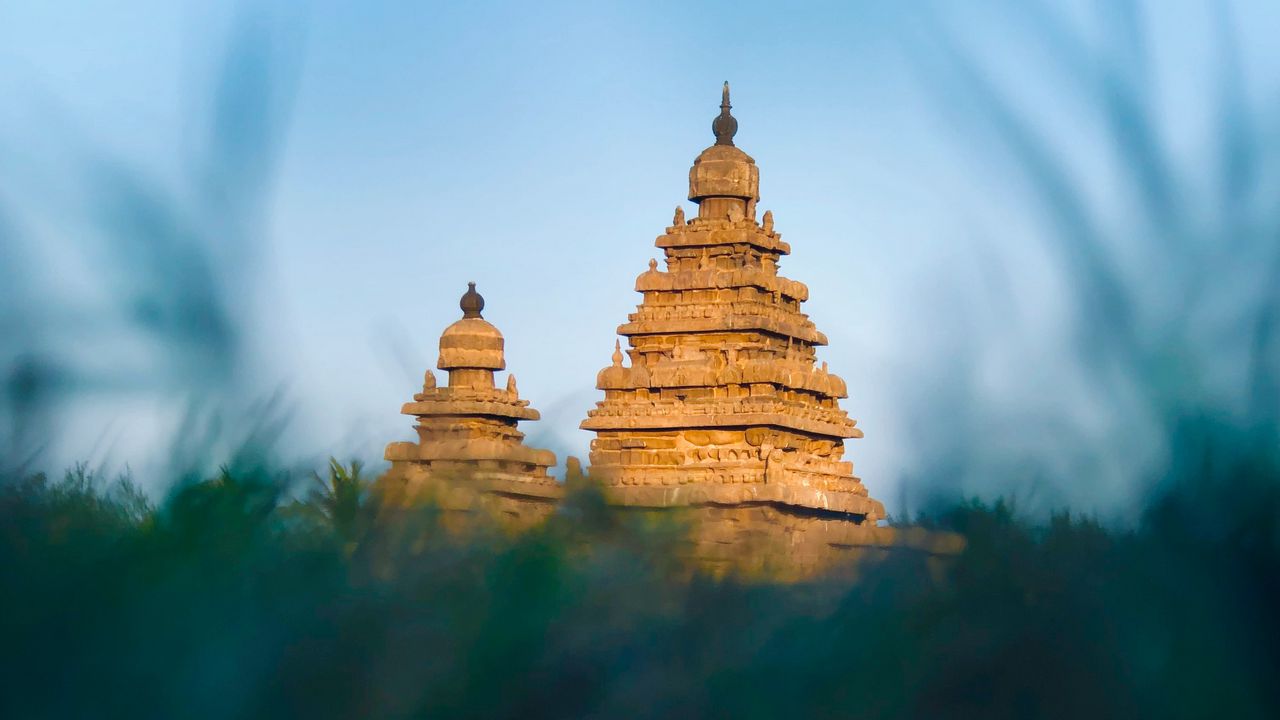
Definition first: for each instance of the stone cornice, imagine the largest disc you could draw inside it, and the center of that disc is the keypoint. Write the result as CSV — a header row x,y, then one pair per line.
x,y
463,408
704,233
714,279
619,417
747,316
662,496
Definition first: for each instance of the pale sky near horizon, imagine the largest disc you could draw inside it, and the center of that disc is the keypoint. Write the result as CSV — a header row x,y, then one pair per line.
x,y
539,148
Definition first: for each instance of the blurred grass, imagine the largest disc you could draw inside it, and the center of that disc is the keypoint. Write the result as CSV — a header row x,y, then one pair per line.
x,y
244,596
1170,279
169,310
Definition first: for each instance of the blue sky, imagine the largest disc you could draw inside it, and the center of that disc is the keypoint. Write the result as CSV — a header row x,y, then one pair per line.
x,y
538,149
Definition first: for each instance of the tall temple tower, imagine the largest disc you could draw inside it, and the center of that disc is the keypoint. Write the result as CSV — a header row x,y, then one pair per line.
x,y
722,404
469,455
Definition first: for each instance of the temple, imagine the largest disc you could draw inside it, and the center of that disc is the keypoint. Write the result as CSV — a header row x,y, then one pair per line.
x,y
723,401
469,456
718,402
716,411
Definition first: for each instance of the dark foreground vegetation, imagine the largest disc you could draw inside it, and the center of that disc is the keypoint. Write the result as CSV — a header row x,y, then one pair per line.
x,y
233,598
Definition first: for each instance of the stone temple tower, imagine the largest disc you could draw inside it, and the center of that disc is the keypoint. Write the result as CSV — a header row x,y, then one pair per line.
x,y
722,404
469,455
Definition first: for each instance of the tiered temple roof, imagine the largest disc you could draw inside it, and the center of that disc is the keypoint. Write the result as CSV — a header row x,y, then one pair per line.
x,y
722,401
469,452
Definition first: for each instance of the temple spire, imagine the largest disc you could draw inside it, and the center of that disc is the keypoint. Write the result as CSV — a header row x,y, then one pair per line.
x,y
722,397
469,454
725,126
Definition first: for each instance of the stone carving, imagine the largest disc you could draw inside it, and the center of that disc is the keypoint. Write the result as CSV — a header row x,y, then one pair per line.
x,y
724,398
722,408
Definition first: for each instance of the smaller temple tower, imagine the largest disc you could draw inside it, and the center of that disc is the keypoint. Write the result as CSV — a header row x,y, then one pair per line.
x,y
469,455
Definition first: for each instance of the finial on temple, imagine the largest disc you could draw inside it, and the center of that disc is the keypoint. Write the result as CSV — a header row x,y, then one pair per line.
x,y
471,302
725,126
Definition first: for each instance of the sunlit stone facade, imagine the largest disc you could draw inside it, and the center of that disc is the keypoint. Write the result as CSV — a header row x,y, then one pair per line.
x,y
470,456
716,411
718,399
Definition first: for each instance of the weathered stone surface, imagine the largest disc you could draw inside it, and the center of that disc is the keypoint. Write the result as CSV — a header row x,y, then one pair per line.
x,y
723,404
469,457
779,543
716,411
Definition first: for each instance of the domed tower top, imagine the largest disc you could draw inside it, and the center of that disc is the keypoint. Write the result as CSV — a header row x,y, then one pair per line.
x,y
471,348
725,126
724,180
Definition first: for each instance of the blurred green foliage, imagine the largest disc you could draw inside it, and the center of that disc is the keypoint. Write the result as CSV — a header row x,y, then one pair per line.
x,y
240,596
